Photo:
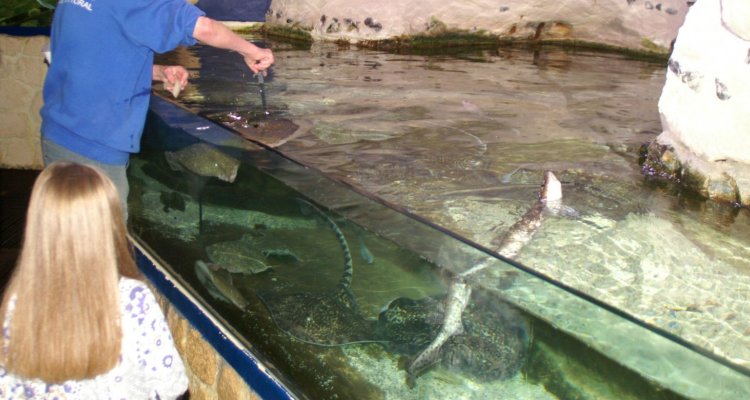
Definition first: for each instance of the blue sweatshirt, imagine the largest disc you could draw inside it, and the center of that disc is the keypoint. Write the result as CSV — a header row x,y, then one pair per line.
x,y
98,86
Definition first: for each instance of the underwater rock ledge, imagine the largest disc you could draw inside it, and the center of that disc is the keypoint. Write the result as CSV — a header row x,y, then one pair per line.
x,y
725,181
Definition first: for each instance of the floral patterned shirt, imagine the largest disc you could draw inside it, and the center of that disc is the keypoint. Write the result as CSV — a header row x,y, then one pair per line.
x,y
149,366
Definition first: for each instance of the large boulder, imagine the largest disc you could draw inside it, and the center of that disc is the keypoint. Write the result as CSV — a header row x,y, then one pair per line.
x,y
643,25
704,109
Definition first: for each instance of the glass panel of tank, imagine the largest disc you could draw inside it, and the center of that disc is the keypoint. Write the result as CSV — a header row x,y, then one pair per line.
x,y
348,297
462,137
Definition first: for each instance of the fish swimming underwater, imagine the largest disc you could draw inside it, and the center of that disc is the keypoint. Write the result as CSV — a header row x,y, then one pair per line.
x,y
324,319
520,233
364,251
458,298
219,287
495,343
238,256
204,160
460,292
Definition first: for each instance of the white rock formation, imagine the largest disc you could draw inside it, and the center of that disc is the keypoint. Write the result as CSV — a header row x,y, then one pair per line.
x,y
633,24
704,105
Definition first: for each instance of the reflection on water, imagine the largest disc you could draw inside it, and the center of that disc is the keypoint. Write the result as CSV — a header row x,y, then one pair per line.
x,y
462,140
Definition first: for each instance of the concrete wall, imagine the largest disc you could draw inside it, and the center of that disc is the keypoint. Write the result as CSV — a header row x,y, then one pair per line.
x,y
22,72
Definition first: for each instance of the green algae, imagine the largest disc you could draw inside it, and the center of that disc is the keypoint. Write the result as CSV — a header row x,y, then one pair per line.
x,y
438,37
294,33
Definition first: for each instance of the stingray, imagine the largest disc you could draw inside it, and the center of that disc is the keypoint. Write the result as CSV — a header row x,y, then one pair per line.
x,y
493,344
238,256
265,128
329,318
203,162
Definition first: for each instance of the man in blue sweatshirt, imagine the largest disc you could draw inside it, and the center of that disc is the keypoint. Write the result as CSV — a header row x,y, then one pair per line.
x,y
98,85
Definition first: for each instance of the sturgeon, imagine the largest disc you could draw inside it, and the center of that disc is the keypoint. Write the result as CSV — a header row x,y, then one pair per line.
x,y
550,200
459,291
457,299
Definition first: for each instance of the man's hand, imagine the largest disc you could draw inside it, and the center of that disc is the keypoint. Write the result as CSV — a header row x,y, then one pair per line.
x,y
215,34
259,60
175,77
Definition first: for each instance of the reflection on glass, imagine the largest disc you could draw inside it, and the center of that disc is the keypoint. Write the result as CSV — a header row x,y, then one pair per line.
x,y
348,298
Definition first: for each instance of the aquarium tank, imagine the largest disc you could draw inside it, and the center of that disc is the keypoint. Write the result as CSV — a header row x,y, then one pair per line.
x,y
343,294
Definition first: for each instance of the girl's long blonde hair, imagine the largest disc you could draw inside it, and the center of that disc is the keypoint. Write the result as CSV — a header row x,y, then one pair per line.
x,y
66,320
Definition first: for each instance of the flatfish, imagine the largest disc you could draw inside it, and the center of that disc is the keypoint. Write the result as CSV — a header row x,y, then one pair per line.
x,y
329,318
204,160
239,256
453,325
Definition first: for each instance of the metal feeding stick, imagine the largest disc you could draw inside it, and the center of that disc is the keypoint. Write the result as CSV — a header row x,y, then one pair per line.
x,y
262,84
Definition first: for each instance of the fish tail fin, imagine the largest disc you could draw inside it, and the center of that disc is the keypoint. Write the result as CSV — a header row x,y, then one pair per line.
x,y
419,365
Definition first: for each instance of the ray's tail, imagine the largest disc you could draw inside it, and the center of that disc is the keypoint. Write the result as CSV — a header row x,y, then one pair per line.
x,y
345,283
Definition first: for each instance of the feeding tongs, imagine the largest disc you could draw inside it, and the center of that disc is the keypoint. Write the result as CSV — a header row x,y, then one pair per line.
x,y
262,84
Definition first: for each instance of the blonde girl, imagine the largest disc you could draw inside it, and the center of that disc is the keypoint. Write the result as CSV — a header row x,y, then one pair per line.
x,y
78,324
